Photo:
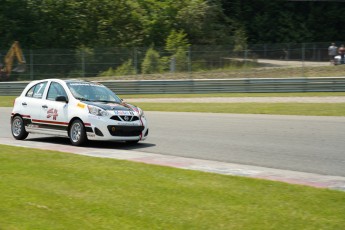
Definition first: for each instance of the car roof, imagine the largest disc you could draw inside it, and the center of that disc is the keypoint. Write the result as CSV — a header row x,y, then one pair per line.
x,y
60,80
74,80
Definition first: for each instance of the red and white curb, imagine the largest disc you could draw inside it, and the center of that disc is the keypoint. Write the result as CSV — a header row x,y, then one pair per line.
x,y
292,177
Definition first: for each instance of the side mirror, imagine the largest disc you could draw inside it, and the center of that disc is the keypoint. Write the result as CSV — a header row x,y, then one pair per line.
x,y
61,98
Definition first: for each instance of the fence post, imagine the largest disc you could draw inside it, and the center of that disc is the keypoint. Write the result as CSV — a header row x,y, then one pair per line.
x,y
135,60
265,50
172,64
303,58
189,59
82,63
31,65
245,56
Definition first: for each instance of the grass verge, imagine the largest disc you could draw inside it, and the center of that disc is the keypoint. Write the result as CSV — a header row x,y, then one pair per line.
x,y
248,71
52,190
7,101
307,109
306,94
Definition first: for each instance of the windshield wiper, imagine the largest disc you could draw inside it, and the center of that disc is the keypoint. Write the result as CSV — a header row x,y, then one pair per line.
x,y
105,101
82,99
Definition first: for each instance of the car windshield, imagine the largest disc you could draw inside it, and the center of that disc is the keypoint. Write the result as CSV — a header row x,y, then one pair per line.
x,y
89,91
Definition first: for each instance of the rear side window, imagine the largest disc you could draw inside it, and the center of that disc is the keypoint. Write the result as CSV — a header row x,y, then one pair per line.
x,y
37,90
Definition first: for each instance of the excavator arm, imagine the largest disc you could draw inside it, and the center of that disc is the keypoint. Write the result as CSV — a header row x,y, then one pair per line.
x,y
14,52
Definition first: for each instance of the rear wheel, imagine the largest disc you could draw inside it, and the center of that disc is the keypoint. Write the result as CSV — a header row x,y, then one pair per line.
x,y
77,134
18,129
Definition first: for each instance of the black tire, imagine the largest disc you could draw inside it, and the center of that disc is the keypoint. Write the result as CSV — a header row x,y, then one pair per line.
x,y
18,129
77,134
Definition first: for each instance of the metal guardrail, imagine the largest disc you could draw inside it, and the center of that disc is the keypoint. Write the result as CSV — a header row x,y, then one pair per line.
x,y
266,85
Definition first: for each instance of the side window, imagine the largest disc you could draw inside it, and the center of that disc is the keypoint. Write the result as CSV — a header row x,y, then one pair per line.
x,y
30,93
55,90
37,90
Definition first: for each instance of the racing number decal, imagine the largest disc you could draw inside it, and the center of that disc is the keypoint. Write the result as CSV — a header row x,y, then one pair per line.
x,y
52,113
38,91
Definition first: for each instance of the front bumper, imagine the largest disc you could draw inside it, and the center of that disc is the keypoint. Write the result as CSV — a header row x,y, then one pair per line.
x,y
105,128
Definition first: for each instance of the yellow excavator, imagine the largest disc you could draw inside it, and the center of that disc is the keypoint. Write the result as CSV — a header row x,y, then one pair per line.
x,y
6,68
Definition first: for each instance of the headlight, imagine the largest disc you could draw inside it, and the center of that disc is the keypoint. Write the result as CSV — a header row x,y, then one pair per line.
x,y
97,111
141,112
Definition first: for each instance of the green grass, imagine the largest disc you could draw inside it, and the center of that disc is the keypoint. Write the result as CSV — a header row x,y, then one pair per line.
x,y
248,71
7,101
308,109
307,94
52,190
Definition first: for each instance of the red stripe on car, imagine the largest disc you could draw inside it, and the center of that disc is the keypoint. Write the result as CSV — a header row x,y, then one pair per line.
x,y
50,122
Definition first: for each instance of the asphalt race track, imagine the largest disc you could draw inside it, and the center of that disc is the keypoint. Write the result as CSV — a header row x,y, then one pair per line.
x,y
296,143
307,144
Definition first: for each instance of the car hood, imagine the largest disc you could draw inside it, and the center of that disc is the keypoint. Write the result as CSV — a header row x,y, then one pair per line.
x,y
112,106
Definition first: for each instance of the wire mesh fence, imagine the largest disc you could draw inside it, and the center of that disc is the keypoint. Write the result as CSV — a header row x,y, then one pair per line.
x,y
257,60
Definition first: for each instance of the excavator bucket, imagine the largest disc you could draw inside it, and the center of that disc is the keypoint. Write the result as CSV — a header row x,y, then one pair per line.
x,y
20,68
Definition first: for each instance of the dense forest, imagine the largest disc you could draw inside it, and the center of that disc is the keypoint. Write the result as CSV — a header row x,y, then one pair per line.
x,y
72,24
85,38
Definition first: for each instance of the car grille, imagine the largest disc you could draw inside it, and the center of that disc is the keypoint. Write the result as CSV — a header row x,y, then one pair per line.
x,y
125,118
125,131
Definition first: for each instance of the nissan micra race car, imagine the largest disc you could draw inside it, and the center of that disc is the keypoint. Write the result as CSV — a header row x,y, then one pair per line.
x,y
76,109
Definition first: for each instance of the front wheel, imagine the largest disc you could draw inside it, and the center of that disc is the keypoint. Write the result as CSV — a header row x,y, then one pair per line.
x,y
77,134
18,129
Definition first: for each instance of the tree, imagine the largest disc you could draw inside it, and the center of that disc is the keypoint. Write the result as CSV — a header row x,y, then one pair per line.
x,y
69,24
15,18
287,21
176,40
152,62
205,22
177,44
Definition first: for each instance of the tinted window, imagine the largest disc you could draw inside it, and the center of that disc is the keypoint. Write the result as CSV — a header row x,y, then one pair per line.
x,y
55,90
37,90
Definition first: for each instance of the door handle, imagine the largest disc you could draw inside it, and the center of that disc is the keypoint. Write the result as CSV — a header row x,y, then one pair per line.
x,y
44,107
24,103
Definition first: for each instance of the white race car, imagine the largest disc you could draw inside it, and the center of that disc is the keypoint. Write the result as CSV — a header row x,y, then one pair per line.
x,y
76,109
